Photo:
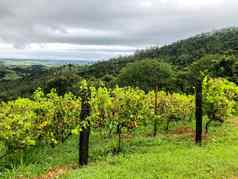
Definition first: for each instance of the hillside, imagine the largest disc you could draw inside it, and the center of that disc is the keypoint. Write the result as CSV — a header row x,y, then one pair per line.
x,y
180,54
32,77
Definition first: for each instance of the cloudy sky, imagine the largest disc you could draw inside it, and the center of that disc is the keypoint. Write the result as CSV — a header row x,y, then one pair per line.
x,y
100,29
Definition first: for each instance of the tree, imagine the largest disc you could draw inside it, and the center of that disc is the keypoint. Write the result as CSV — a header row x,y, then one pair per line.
x,y
147,74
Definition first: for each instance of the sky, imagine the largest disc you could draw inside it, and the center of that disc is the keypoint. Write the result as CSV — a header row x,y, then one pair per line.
x,y
101,29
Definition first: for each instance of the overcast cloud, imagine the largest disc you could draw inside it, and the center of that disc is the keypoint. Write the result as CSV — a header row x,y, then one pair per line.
x,y
100,29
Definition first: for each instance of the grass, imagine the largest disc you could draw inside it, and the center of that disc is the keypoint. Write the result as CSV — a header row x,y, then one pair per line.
x,y
169,155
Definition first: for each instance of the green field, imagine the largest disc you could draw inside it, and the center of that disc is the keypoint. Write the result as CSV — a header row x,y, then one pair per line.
x,y
169,155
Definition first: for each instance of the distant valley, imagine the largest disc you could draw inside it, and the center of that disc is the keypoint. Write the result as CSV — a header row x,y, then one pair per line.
x,y
44,62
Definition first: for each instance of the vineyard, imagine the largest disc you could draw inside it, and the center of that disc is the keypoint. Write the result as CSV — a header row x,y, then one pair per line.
x,y
51,120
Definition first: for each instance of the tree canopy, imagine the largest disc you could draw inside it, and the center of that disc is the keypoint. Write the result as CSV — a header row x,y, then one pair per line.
x,y
147,74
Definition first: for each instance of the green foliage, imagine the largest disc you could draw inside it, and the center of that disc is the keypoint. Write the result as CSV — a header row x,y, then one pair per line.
x,y
16,124
181,53
101,106
61,78
173,106
128,108
47,119
51,119
219,98
59,115
147,74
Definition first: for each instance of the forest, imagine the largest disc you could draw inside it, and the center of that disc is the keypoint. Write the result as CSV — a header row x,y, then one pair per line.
x,y
169,110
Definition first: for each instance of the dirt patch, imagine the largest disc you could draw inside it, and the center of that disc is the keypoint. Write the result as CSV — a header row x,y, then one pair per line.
x,y
127,136
56,172
184,130
234,121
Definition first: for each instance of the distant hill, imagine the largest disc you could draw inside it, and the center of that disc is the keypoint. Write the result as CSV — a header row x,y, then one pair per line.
x,y
27,79
181,53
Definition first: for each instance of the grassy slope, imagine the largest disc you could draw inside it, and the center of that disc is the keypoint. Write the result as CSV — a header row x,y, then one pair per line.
x,y
167,156
171,158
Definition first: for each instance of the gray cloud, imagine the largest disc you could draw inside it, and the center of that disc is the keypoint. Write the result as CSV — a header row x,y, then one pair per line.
x,y
134,23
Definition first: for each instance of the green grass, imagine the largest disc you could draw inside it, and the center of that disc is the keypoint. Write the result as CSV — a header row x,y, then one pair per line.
x,y
171,158
166,156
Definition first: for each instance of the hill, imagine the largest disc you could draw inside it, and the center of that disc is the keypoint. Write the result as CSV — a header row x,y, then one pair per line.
x,y
29,78
181,53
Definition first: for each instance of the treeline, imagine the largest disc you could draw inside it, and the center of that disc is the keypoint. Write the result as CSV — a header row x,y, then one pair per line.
x,y
146,74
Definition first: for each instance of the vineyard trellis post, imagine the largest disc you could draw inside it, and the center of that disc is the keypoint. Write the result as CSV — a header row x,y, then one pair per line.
x,y
198,113
155,110
85,132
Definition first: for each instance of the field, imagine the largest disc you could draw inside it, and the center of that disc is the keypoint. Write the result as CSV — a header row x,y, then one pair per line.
x,y
169,155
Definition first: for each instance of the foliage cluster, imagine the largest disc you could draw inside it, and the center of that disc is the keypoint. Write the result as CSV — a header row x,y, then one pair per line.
x,y
45,119
219,99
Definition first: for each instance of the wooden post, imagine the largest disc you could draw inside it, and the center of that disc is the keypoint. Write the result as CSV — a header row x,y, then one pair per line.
x,y
84,142
84,134
198,138
119,138
155,110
